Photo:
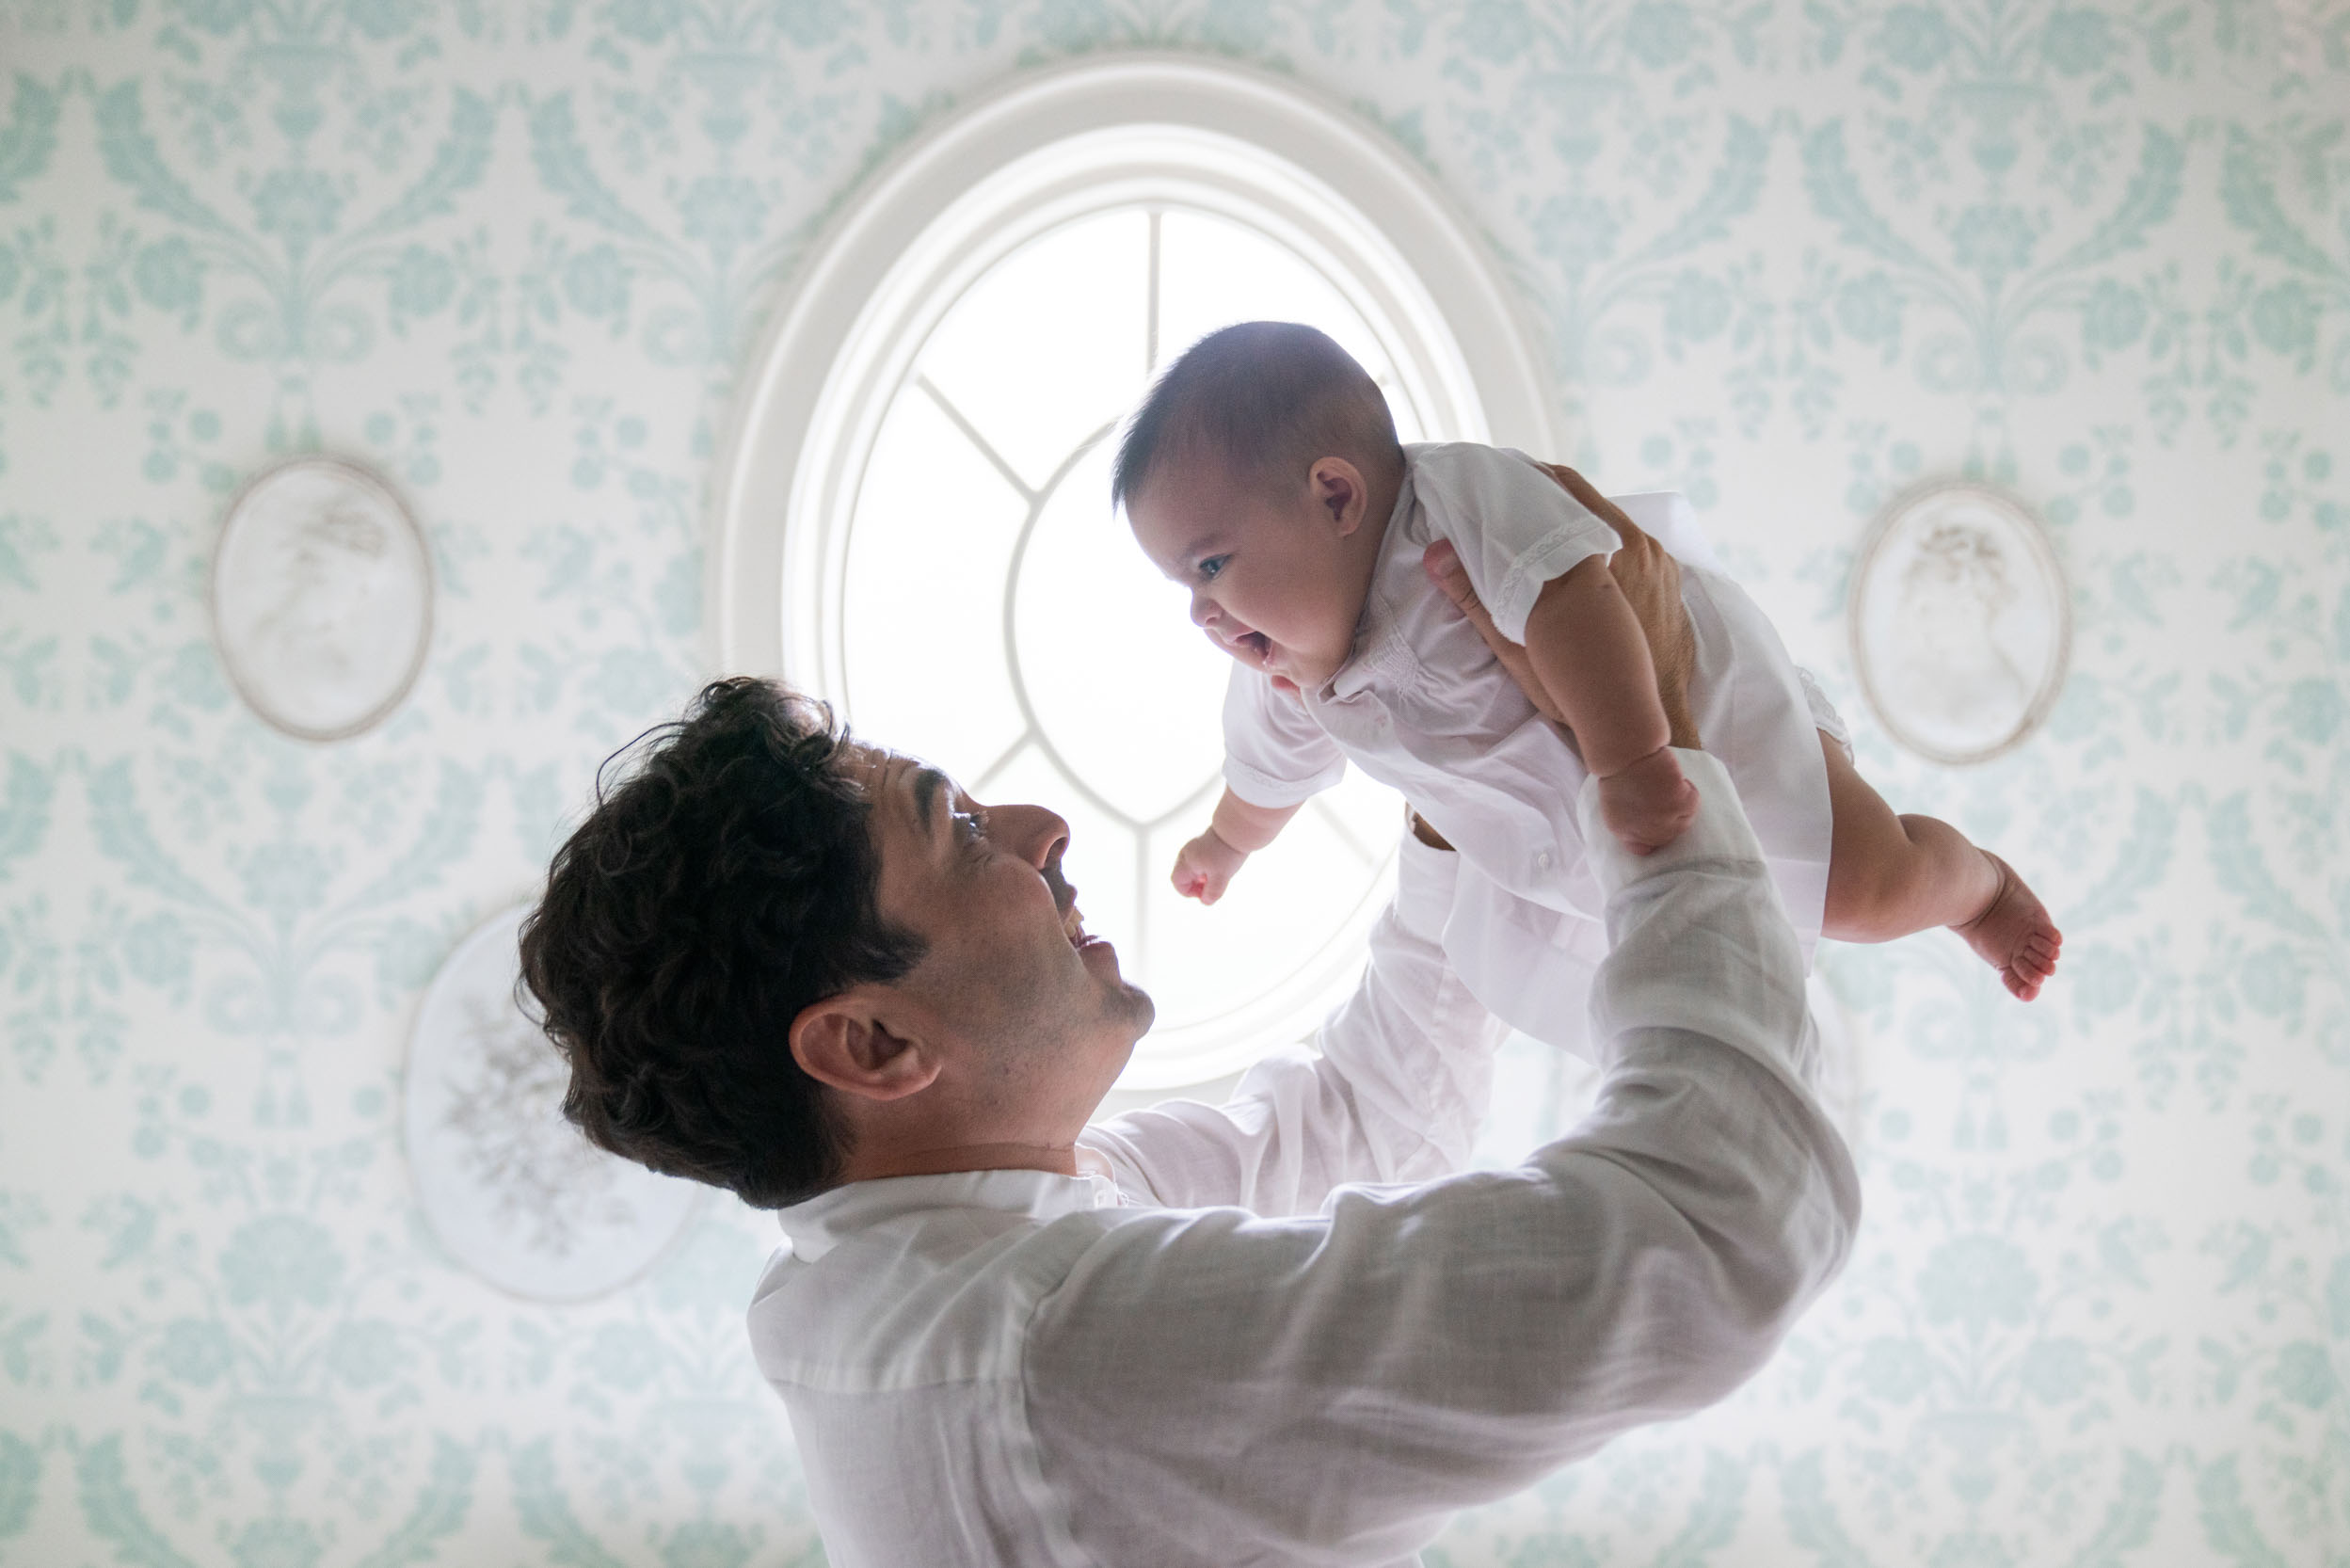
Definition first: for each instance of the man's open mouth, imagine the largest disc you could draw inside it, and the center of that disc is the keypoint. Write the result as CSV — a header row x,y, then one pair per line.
x,y
1073,927
1072,924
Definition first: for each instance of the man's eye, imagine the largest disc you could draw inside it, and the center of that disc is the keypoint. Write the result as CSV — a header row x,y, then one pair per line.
x,y
968,826
1214,565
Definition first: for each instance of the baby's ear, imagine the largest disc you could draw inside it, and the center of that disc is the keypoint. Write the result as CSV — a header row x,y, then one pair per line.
x,y
1338,487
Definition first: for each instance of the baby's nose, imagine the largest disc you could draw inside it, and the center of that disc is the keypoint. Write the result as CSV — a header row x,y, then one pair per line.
x,y
1203,610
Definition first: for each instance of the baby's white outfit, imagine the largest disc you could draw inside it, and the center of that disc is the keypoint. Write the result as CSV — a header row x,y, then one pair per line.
x,y
1424,707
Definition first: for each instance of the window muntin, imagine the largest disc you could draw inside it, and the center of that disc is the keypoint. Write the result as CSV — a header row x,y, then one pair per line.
x,y
1053,662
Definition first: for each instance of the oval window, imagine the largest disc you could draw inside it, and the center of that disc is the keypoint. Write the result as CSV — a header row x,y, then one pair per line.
x,y
913,519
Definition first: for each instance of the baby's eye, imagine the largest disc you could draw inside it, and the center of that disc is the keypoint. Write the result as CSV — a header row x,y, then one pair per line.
x,y
1214,565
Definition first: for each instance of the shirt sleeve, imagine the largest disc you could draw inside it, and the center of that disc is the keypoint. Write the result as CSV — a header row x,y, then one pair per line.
x,y
1395,1091
1823,715
1516,527
1332,1386
1275,755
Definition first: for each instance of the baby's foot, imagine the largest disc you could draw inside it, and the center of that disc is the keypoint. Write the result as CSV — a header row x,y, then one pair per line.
x,y
2014,934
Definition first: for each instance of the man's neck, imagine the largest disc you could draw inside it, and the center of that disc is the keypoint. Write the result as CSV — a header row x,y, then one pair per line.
x,y
941,1160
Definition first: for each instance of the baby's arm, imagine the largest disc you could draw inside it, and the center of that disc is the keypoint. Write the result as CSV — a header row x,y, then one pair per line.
x,y
1205,867
1589,651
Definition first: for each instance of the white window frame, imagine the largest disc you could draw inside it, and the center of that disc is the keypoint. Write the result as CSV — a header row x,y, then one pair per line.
x,y
939,213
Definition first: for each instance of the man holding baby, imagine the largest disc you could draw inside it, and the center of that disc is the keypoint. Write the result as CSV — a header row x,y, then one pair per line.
x,y
1286,1329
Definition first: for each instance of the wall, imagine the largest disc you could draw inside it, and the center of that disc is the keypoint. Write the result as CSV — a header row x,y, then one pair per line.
x,y
1790,255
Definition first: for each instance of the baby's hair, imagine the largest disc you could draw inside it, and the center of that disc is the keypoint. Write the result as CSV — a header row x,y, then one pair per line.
x,y
1264,399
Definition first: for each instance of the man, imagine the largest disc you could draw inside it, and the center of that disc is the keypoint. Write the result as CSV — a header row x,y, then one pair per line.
x,y
818,973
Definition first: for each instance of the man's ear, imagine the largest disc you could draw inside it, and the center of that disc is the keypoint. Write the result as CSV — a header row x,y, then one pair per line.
x,y
1339,490
848,1043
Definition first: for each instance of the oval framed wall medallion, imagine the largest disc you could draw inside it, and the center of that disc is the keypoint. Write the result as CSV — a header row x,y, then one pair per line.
x,y
513,1192
321,598
1961,621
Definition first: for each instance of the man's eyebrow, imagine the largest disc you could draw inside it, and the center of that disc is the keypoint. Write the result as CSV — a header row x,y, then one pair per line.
x,y
929,783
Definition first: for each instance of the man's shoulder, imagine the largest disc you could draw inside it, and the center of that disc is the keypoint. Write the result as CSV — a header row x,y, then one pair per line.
x,y
935,1298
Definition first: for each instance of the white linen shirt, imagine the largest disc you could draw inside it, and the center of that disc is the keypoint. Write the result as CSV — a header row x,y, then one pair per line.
x,y
1424,707
1218,1350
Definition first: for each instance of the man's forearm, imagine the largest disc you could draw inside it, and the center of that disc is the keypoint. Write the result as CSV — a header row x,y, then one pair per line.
x,y
1412,1352
1396,1094
1697,941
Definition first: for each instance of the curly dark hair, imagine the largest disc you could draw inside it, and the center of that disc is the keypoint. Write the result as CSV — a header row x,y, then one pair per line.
x,y
728,881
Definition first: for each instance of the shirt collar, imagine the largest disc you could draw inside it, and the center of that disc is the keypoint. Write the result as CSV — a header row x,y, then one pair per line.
x,y
825,1221
1380,649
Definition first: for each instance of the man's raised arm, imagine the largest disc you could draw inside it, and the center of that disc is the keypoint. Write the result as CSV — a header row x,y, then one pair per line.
x,y
1395,1093
1335,1384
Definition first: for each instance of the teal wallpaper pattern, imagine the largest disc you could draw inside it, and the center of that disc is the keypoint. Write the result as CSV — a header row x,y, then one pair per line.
x,y
1788,255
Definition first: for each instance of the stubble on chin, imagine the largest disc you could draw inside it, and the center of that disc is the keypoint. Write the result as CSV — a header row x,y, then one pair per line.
x,y
1139,1011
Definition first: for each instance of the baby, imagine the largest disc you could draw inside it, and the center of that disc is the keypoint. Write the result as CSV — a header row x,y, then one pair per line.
x,y
1263,473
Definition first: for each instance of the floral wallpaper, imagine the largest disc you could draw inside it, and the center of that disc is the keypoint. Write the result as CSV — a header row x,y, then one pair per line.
x,y
1790,256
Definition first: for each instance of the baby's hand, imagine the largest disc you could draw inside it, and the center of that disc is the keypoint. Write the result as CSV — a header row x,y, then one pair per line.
x,y
1204,867
1649,803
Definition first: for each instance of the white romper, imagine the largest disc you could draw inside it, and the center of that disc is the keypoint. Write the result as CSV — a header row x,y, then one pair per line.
x,y
1424,707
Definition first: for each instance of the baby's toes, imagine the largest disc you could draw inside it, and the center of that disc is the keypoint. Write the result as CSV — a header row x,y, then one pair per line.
x,y
2024,976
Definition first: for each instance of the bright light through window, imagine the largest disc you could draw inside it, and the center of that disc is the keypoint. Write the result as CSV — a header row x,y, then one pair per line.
x,y
1053,662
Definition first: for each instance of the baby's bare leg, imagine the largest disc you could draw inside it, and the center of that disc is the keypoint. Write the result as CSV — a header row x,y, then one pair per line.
x,y
1890,875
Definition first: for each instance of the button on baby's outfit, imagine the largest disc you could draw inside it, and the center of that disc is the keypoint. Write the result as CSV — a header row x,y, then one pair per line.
x,y
1542,860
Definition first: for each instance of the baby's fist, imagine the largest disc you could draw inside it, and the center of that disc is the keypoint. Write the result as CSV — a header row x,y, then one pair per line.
x,y
1204,867
1649,803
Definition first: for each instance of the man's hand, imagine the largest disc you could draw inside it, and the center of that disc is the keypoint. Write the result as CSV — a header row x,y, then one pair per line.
x,y
1645,573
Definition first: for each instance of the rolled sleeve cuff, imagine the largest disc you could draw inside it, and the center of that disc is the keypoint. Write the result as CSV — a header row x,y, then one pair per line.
x,y
1259,787
1697,941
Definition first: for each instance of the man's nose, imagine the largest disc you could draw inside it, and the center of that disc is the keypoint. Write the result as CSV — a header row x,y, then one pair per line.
x,y
1034,833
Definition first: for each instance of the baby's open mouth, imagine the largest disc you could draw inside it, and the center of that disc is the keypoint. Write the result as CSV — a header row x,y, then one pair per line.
x,y
1260,644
